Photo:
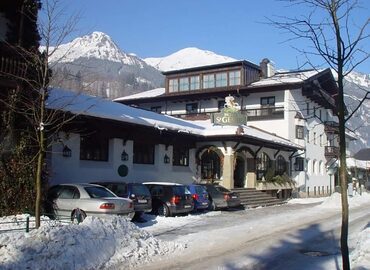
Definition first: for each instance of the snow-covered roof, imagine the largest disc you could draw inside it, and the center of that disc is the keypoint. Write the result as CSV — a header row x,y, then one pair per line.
x,y
83,104
353,163
249,131
286,78
145,94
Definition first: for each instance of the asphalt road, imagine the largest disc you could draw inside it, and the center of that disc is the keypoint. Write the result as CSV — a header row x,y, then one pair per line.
x,y
305,243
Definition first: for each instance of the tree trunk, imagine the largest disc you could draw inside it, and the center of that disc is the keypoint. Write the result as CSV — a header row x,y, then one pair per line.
x,y
40,159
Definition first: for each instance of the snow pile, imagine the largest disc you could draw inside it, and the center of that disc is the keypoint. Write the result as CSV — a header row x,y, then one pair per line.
x,y
360,257
335,200
95,243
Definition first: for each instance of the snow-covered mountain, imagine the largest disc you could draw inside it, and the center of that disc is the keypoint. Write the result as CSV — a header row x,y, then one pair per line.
x,y
95,64
187,58
97,45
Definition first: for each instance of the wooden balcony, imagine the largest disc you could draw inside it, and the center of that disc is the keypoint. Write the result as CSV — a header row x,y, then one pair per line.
x,y
11,67
267,113
331,151
331,127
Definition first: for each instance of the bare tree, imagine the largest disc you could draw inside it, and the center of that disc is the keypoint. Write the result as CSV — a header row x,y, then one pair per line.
x,y
335,36
54,28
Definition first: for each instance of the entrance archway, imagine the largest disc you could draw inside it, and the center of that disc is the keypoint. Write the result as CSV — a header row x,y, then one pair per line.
x,y
210,165
239,172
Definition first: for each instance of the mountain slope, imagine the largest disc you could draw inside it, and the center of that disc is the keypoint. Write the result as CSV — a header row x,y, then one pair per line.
x,y
95,64
186,58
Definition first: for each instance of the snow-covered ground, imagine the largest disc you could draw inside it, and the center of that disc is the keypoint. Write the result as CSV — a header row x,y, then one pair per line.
x,y
116,243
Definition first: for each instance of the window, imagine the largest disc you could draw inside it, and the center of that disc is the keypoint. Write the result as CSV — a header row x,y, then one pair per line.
x,y
314,169
308,136
210,165
194,83
184,84
191,108
221,79
94,147
234,77
280,165
320,139
143,153
299,132
69,192
314,138
221,105
268,101
208,81
262,165
299,164
180,156
157,109
308,108
99,192
173,85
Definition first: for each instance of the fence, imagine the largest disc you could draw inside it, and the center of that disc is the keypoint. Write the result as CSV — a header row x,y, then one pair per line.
x,y
27,222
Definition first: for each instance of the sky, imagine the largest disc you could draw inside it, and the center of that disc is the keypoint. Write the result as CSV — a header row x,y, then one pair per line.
x,y
235,28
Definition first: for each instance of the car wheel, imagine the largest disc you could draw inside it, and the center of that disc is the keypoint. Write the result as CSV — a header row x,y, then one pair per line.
x,y
77,216
163,210
212,206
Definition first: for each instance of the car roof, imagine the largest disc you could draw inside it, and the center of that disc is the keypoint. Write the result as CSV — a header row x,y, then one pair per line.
x,y
78,184
163,183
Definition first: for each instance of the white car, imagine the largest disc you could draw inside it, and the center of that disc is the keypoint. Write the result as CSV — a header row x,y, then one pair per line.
x,y
76,201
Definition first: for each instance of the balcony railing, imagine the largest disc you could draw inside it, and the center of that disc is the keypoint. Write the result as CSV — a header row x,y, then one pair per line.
x,y
267,113
331,127
331,151
12,67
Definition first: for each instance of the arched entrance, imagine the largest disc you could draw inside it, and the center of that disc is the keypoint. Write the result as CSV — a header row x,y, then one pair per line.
x,y
239,172
210,165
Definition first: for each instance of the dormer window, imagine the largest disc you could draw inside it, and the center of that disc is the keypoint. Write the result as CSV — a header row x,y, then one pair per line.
x,y
221,79
208,81
173,85
234,77
194,83
184,84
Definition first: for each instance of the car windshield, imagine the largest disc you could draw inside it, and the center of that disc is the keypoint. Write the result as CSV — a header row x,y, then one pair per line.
x,y
200,189
140,190
180,190
99,192
222,189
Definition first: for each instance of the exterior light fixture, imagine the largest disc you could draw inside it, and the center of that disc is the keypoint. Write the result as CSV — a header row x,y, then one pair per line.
x,y
124,156
67,152
166,159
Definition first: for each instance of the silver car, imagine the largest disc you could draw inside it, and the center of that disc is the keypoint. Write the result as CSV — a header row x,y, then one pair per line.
x,y
76,201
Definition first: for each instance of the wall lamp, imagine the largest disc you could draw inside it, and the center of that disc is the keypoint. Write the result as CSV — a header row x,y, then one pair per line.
x,y
124,155
67,152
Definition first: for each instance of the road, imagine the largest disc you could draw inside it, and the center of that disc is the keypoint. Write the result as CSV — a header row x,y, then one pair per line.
x,y
285,237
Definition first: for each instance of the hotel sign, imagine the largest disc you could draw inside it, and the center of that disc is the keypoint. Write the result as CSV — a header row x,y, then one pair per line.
x,y
235,118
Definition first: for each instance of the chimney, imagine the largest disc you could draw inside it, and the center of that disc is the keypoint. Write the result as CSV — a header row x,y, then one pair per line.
x,y
267,67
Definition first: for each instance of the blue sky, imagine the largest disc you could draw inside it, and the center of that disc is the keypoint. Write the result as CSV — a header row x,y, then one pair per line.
x,y
235,28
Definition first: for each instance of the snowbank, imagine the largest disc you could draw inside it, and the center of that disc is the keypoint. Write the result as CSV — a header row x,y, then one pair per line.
x,y
360,257
95,243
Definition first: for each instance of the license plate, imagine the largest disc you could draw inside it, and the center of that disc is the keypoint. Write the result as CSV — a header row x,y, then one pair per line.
x,y
204,203
142,201
234,197
187,206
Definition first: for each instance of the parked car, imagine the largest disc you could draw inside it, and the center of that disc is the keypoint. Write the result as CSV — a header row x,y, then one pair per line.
x,y
76,201
137,192
221,197
200,196
170,198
